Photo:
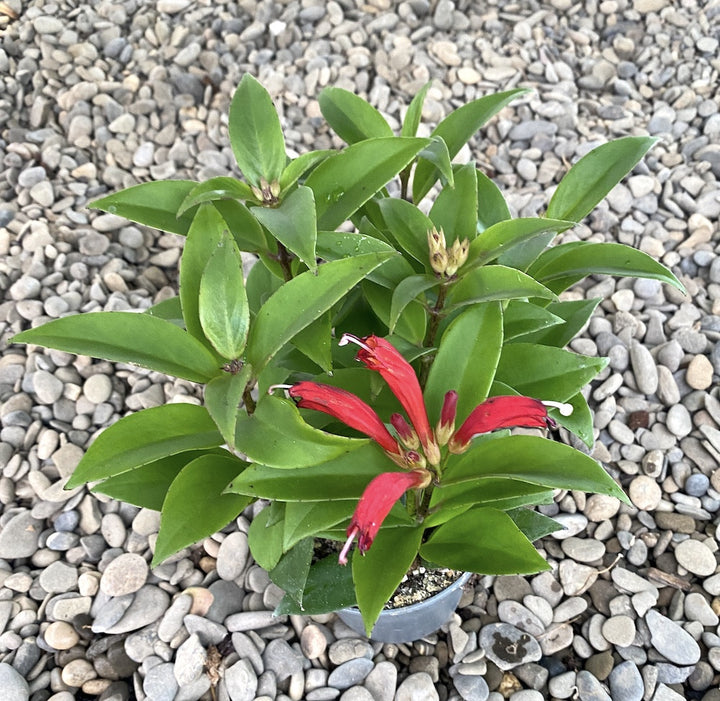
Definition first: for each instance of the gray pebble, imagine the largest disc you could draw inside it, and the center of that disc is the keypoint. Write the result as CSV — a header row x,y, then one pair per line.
x,y
508,646
160,684
697,484
46,386
232,556
670,640
416,687
644,368
696,557
589,688
350,673
148,604
283,660
19,536
14,687
471,687
190,661
626,683
124,575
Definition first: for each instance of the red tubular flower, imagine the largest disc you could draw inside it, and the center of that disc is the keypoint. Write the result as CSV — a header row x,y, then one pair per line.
x,y
345,407
499,412
446,425
375,504
378,354
407,434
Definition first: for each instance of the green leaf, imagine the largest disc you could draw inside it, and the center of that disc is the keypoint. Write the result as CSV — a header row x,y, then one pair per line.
x,y
412,321
219,188
315,342
127,337
485,541
276,436
580,422
292,223
494,282
260,285
533,524
352,118
306,519
492,208
408,226
344,477
345,181
223,306
563,265
533,459
436,152
505,236
256,136
143,437
169,309
196,506
154,204
291,572
522,321
329,587
300,166
573,314
594,175
414,112
545,372
146,486
406,291
457,129
265,536
245,229
302,300
203,239
466,360
455,209
378,574
223,395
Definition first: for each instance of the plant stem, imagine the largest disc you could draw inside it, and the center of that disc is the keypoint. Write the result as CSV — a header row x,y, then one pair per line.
x,y
248,401
435,317
284,259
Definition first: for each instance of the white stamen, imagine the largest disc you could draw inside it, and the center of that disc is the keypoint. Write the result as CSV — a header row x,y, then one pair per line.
x,y
350,338
272,388
342,558
564,408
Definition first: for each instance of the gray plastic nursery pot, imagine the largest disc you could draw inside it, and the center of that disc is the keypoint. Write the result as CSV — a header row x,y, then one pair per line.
x,y
403,625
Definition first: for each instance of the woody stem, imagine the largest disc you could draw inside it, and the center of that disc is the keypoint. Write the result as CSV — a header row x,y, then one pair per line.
x,y
435,318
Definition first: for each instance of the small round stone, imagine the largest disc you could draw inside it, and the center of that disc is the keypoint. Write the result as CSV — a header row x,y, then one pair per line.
x,y
645,493
61,635
696,557
699,374
97,388
77,672
124,575
619,630
697,485
313,642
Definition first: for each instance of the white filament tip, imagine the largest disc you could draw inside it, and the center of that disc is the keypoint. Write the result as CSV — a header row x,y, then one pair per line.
x,y
271,389
564,408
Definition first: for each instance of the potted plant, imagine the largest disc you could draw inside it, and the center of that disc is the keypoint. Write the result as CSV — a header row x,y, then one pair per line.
x,y
452,307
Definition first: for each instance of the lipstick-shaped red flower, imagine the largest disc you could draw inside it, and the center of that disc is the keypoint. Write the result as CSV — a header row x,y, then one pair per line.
x,y
346,407
500,412
378,354
375,504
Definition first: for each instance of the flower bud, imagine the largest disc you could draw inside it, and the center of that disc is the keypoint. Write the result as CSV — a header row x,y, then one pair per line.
x,y
437,250
457,255
446,425
405,432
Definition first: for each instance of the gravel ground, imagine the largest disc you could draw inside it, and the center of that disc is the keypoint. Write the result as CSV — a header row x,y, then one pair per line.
x,y
98,96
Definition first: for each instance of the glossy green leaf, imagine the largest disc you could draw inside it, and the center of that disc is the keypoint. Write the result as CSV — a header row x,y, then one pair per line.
x,y
127,337
341,478
203,238
574,314
256,135
260,285
302,300
223,306
408,226
196,506
300,166
168,309
532,459
378,574
545,372
222,187
291,572
455,209
494,282
223,395
411,122
347,180
276,436
492,207
406,291
304,519
145,436
315,342
522,320
245,229
483,540
562,265
412,321
522,257
329,587
292,223
533,524
154,204
265,536
352,118
457,129
436,152
504,236
146,486
466,360
580,422
594,175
